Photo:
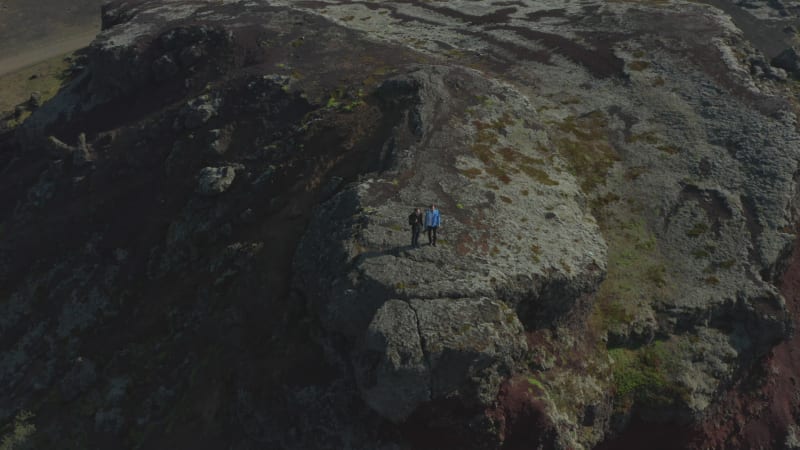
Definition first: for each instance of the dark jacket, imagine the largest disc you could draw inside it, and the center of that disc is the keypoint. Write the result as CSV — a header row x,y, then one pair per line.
x,y
415,220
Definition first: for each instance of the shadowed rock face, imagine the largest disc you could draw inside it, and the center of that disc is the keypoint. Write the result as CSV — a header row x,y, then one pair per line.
x,y
205,244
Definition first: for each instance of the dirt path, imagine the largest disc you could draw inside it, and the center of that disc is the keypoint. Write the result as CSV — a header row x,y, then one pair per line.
x,y
35,54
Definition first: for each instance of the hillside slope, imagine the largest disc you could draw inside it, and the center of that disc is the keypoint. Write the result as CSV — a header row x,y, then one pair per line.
x,y
204,241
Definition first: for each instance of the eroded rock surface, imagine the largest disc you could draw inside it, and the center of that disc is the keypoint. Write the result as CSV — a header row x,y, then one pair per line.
x,y
205,245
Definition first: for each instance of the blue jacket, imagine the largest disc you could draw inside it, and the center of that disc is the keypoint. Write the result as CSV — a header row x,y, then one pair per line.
x,y
432,218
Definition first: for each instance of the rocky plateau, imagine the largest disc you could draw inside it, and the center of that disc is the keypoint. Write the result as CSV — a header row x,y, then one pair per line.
x,y
203,236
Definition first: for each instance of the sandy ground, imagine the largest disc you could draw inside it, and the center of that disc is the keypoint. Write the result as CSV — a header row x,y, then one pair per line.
x,y
34,31
35,54
34,39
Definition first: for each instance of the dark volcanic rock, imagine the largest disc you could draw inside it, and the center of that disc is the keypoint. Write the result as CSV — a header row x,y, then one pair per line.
x,y
165,68
204,241
789,61
78,379
35,100
215,180
436,349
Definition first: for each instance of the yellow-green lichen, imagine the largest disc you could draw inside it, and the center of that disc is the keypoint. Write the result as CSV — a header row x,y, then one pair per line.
x,y
647,376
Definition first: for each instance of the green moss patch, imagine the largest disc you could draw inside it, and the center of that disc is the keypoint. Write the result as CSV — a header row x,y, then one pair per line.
x,y
647,138
536,383
669,149
638,65
697,230
646,376
636,273
539,175
18,434
633,173
585,145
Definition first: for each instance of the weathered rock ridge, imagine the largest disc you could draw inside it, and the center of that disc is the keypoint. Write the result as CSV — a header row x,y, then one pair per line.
x,y
204,237
464,299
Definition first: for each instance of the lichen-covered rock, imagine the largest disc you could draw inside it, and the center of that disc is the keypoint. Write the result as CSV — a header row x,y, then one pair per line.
x,y
618,190
35,100
437,349
443,323
672,184
197,112
215,180
401,378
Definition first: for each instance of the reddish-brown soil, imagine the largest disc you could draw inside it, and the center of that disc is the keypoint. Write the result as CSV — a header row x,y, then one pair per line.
x,y
757,411
521,416
650,436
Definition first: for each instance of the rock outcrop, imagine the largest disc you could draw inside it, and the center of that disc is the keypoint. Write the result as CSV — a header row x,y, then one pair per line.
x,y
789,61
204,236
215,180
516,245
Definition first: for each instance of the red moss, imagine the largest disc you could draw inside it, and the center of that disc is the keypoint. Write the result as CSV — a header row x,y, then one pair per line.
x,y
521,417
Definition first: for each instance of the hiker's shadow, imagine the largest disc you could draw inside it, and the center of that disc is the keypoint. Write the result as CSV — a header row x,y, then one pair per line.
x,y
400,251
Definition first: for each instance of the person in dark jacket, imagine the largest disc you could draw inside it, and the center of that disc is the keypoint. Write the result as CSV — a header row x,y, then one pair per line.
x,y
415,219
432,221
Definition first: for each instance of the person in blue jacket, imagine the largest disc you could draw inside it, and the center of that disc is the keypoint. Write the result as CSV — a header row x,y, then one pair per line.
x,y
432,221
